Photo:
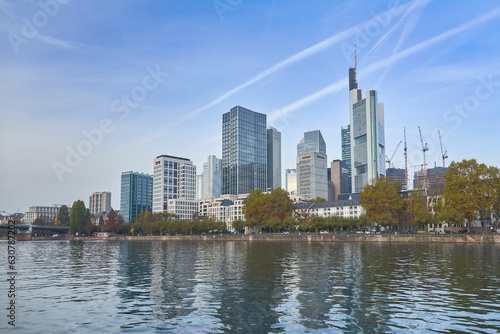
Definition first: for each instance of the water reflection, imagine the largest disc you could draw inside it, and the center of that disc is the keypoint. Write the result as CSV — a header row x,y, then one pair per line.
x,y
219,287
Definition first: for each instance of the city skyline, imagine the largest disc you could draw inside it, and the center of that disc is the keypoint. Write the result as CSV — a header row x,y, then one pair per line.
x,y
160,77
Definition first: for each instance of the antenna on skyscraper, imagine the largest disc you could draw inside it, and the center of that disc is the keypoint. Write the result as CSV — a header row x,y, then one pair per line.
x,y
355,57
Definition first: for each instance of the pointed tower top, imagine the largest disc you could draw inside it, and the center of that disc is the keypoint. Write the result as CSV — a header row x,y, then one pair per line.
x,y
355,57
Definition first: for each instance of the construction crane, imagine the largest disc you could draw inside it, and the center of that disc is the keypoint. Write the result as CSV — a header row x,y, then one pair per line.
x,y
392,156
424,149
406,163
444,154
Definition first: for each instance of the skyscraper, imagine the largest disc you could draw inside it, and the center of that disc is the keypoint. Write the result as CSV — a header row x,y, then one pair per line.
x,y
346,154
291,181
212,177
339,178
273,158
367,136
312,178
100,202
173,178
136,195
244,151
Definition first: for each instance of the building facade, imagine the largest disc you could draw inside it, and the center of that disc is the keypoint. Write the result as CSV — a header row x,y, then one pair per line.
x,y
435,180
367,138
312,178
345,139
291,181
136,195
273,158
397,174
226,208
46,213
342,208
244,151
100,202
212,177
339,178
173,178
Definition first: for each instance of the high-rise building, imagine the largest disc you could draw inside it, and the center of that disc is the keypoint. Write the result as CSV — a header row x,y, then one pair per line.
x,y
367,136
345,139
100,202
339,178
212,177
435,180
312,178
273,158
199,186
244,151
174,178
398,174
291,181
136,195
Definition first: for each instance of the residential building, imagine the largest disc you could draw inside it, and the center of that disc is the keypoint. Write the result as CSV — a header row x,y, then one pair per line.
x,y
47,214
312,178
291,181
212,177
226,208
273,158
100,202
244,151
136,195
173,178
343,208
367,136
345,139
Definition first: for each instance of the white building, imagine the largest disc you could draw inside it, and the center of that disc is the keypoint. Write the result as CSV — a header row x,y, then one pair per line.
x,y
367,137
174,178
226,208
212,177
291,181
312,166
343,208
100,201
46,213
183,208
273,158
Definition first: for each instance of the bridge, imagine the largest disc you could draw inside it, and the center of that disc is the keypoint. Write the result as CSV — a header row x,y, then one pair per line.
x,y
25,231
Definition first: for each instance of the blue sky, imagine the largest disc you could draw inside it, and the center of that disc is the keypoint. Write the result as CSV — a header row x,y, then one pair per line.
x,y
145,78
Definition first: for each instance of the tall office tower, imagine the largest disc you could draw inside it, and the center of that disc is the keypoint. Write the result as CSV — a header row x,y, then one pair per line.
x,y
312,178
273,158
173,178
244,151
367,136
435,180
346,154
397,174
100,202
212,177
199,186
136,195
291,181
339,178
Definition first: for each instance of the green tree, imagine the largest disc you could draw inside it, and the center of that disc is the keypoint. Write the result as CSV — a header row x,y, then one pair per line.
x,y
63,216
268,210
239,225
382,202
317,200
468,190
78,217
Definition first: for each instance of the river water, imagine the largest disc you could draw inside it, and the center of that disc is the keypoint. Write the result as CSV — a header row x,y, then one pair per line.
x,y
260,287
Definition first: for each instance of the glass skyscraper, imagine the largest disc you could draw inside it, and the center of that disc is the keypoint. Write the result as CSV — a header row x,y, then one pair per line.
x,y
136,195
244,151
273,158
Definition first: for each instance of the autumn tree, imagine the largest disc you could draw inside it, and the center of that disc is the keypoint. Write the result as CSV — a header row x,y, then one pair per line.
x,y
469,190
113,221
382,202
78,217
63,216
270,210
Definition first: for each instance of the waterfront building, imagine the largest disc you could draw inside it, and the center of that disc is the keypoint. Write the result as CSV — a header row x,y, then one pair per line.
x,y
47,214
212,177
244,151
367,136
349,208
273,158
291,181
226,208
312,178
345,139
136,195
100,202
174,178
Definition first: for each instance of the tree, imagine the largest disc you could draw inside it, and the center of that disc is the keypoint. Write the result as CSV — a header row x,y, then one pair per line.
x,y
317,200
269,210
114,221
382,202
469,190
239,225
63,216
78,217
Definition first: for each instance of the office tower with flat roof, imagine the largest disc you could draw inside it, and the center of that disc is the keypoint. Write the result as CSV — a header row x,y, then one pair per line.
x,y
312,178
136,195
174,178
273,158
212,177
367,136
100,201
244,151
